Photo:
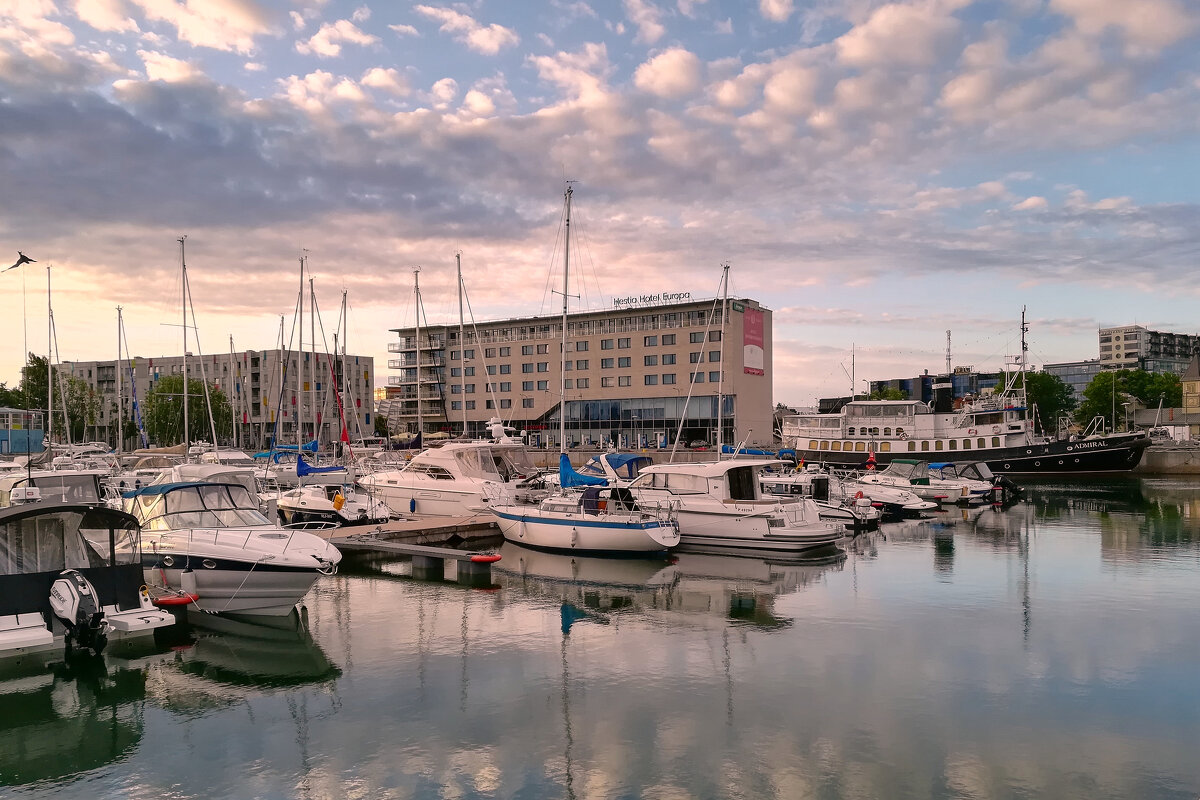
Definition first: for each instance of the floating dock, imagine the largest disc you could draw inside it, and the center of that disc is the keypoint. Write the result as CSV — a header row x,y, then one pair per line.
x,y
423,540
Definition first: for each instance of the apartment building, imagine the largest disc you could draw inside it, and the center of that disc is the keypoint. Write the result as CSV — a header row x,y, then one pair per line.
x,y
262,386
1136,347
631,375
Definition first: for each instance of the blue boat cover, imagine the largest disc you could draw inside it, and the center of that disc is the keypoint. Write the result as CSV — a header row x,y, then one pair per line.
x,y
304,468
568,477
310,446
746,451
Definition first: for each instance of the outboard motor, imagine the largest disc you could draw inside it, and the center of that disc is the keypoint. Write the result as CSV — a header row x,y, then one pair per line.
x,y
73,600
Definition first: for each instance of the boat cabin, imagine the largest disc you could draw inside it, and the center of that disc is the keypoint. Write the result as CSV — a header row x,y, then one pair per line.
x,y
54,486
178,506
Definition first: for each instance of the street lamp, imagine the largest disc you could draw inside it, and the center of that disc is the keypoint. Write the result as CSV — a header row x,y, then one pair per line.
x,y
1126,407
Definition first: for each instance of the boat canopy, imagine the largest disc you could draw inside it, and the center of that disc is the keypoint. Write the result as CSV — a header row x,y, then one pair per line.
x,y
304,468
568,477
172,506
627,465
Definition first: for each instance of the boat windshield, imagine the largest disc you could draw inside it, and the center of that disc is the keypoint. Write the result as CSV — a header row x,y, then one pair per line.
x,y
215,505
68,488
908,469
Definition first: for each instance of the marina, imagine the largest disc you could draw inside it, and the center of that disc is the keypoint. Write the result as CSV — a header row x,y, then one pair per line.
x,y
1043,649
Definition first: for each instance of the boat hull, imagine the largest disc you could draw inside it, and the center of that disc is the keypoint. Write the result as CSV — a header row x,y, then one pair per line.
x,y
1114,454
583,533
295,516
234,587
719,532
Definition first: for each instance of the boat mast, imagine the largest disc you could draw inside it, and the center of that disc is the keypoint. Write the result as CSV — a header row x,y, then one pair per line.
x,y
721,374
49,363
187,442
231,387
345,376
462,373
299,413
120,402
312,346
562,374
461,351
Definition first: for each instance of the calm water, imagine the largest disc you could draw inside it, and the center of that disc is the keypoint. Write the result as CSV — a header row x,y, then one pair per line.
x,y
1048,650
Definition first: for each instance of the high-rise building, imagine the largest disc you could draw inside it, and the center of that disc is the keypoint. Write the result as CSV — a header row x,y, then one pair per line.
x,y
1136,347
629,372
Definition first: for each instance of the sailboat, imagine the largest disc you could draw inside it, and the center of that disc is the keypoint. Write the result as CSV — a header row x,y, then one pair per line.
x,y
599,519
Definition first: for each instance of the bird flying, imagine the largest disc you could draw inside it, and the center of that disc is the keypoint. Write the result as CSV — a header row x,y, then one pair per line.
x,y
22,259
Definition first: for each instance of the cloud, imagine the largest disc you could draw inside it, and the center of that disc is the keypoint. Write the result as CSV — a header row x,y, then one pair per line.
x,y
220,24
647,17
673,73
724,27
405,30
1034,203
105,15
776,10
486,39
161,67
361,14
688,7
254,66
1146,25
387,80
327,42
896,35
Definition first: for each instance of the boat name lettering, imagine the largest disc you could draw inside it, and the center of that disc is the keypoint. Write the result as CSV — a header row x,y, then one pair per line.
x,y
1088,445
651,299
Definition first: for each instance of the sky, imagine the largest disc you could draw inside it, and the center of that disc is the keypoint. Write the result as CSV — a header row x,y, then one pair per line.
x,y
876,173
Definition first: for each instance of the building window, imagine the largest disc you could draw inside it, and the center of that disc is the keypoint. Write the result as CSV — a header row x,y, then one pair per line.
x,y
470,405
695,337
625,362
505,386
489,352
607,383
568,384
469,353
543,386
606,344
488,404
526,402
505,352
714,336
454,355
581,383
491,369
506,402
527,367
456,405
668,378
568,366
714,356
455,389
695,357
505,369
456,372
581,364
606,363
543,349
543,366
526,349
526,386
668,358
469,389
624,344
697,377
650,361
714,377
625,380
650,341
581,347
668,339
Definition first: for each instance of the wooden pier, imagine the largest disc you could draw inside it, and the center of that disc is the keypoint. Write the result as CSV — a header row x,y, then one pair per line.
x,y
423,540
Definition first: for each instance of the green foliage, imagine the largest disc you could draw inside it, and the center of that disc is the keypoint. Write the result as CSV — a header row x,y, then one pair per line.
x,y
381,425
162,412
1104,396
81,401
888,394
1050,395
10,398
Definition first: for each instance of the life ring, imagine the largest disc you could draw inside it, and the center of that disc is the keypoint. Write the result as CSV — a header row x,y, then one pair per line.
x,y
858,496
903,435
995,429
972,432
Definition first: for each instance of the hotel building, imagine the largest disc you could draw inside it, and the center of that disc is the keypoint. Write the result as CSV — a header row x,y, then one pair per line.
x,y
629,372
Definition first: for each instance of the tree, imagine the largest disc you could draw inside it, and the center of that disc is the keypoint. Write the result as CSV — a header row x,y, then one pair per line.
x,y
1108,391
888,394
163,411
381,425
1051,396
81,402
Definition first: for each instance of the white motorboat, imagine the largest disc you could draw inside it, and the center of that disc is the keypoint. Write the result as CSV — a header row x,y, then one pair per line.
x,y
916,477
71,574
855,511
338,504
54,485
457,479
721,507
209,539
893,501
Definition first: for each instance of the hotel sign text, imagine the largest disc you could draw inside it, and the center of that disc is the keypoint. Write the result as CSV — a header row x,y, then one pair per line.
x,y
651,299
